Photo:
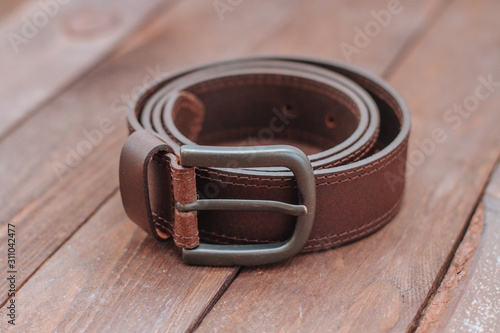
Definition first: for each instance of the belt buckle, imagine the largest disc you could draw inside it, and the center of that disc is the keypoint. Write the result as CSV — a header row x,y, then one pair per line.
x,y
254,254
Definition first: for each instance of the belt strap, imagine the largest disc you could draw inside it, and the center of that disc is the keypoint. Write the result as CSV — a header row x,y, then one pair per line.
x,y
353,127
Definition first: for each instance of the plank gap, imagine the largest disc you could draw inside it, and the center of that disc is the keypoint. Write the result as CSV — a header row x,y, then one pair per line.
x,y
224,287
446,265
109,52
92,213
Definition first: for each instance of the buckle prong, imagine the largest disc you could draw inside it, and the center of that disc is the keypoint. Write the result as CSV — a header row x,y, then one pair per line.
x,y
240,204
244,157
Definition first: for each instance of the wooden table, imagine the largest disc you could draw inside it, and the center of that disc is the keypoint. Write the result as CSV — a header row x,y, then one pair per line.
x,y
82,265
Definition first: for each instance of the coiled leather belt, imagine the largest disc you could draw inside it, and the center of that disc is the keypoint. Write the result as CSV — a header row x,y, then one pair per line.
x,y
252,161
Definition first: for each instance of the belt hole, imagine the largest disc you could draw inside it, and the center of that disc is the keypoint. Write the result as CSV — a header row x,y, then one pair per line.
x,y
287,109
329,120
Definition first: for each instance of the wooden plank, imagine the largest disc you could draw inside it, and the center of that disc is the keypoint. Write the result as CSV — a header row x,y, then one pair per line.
x,y
8,6
118,280
382,282
47,44
308,28
48,210
468,297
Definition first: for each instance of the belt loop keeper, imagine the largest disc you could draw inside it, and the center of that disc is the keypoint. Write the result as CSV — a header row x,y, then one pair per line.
x,y
185,227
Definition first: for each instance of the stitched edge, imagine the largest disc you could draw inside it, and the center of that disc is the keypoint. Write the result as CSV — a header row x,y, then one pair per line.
x,y
179,239
340,238
355,233
162,223
291,133
385,161
387,157
357,155
277,80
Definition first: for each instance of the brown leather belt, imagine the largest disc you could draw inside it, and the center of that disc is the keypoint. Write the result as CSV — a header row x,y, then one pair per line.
x,y
213,159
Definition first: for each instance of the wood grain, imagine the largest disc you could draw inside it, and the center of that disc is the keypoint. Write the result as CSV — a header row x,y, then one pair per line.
x,y
9,6
49,210
479,306
446,297
46,47
382,282
111,277
309,28
469,295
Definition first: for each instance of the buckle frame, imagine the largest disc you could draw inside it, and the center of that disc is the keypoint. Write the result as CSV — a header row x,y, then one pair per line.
x,y
261,156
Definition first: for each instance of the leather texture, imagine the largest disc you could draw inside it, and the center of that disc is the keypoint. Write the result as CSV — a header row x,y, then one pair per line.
x,y
353,126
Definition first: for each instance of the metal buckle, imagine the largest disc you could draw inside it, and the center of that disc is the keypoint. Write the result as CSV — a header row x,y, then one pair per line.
x,y
246,255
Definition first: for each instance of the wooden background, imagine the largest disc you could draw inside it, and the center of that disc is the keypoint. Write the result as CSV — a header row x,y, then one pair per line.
x,y
83,266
